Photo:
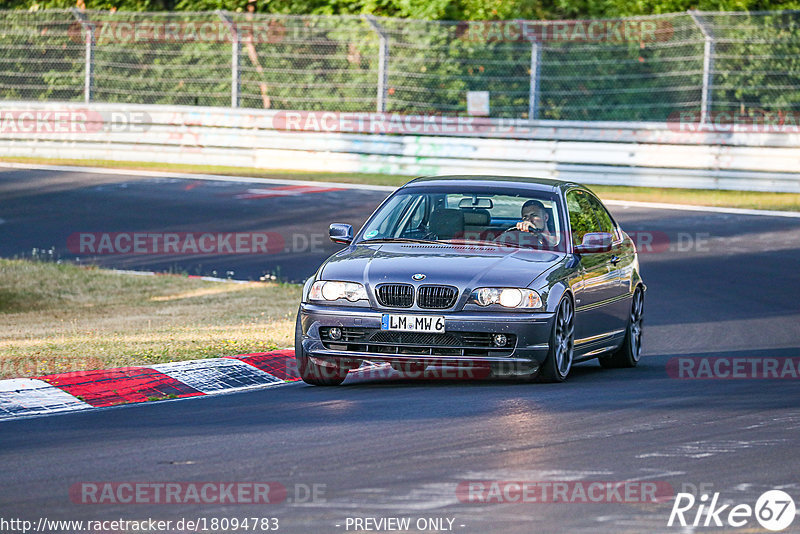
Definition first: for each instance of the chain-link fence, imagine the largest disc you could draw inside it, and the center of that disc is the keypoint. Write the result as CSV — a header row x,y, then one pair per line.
x,y
645,68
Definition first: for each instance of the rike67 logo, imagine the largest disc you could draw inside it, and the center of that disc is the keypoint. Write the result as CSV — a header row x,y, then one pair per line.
x,y
774,510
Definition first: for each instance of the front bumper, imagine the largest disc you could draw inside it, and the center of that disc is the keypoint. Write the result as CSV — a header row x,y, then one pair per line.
x,y
531,333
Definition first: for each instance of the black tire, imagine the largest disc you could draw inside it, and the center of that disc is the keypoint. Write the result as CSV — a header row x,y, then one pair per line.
x,y
310,372
630,352
559,358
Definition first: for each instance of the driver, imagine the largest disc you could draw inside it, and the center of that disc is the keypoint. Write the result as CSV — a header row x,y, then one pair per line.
x,y
534,220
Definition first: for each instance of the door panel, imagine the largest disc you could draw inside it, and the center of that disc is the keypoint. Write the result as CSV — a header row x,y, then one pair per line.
x,y
619,259
599,283
599,288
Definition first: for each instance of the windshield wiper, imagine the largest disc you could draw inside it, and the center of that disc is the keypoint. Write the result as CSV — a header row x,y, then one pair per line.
x,y
511,244
481,242
400,240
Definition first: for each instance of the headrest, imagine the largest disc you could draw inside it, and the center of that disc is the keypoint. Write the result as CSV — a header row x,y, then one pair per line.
x,y
447,223
477,217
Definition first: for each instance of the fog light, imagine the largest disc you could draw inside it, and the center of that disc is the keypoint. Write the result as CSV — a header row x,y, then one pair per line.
x,y
335,333
500,340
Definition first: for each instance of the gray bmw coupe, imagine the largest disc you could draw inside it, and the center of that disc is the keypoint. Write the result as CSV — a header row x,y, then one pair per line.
x,y
519,276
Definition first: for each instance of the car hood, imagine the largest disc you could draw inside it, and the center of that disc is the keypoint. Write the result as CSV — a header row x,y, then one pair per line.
x,y
463,266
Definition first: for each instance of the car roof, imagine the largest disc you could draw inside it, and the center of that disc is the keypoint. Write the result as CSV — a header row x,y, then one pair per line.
x,y
527,182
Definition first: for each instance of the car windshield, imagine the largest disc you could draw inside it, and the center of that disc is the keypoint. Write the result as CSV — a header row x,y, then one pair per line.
x,y
526,219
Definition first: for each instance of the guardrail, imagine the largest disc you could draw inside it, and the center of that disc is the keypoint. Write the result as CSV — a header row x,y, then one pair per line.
x,y
617,153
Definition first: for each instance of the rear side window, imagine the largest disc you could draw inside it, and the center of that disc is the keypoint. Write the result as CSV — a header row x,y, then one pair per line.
x,y
581,215
601,214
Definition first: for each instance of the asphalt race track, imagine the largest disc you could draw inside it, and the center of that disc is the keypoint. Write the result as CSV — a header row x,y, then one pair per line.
x,y
719,285
42,209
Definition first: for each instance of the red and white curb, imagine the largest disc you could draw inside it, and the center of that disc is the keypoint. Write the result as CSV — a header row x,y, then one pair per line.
x,y
28,396
84,390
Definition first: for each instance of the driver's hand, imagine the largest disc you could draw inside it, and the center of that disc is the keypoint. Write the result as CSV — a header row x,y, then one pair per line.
x,y
525,226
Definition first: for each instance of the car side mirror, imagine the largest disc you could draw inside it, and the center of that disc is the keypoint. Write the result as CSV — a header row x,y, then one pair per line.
x,y
595,242
341,233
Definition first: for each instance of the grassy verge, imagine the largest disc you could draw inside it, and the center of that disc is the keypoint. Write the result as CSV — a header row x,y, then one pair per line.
x,y
702,197
60,317
699,197
350,178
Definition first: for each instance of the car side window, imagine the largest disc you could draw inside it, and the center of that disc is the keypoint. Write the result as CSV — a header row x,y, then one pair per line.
x,y
601,214
581,215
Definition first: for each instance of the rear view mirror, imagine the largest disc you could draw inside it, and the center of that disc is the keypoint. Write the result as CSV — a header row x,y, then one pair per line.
x,y
476,202
595,242
341,233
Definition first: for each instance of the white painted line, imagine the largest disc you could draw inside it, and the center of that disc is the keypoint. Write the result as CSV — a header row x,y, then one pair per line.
x,y
135,273
231,280
288,191
204,278
21,397
246,179
217,375
708,209
193,176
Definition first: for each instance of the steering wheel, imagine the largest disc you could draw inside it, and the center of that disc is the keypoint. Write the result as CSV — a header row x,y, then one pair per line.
x,y
520,237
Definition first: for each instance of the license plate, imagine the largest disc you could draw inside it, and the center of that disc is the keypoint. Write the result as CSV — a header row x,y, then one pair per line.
x,y
413,323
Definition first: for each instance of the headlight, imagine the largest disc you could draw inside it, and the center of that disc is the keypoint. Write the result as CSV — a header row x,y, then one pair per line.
x,y
325,290
509,297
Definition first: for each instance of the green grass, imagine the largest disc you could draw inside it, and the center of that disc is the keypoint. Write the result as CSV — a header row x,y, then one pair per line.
x,y
350,178
61,317
702,197
699,197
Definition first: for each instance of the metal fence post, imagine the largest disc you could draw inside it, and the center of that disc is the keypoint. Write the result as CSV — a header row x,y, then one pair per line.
x,y
236,46
88,77
533,91
383,63
708,65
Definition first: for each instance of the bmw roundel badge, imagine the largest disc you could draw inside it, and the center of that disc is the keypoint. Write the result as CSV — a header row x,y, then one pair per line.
x,y
417,277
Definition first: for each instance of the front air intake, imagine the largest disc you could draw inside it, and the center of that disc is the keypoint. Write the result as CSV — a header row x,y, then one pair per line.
x,y
436,297
395,295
